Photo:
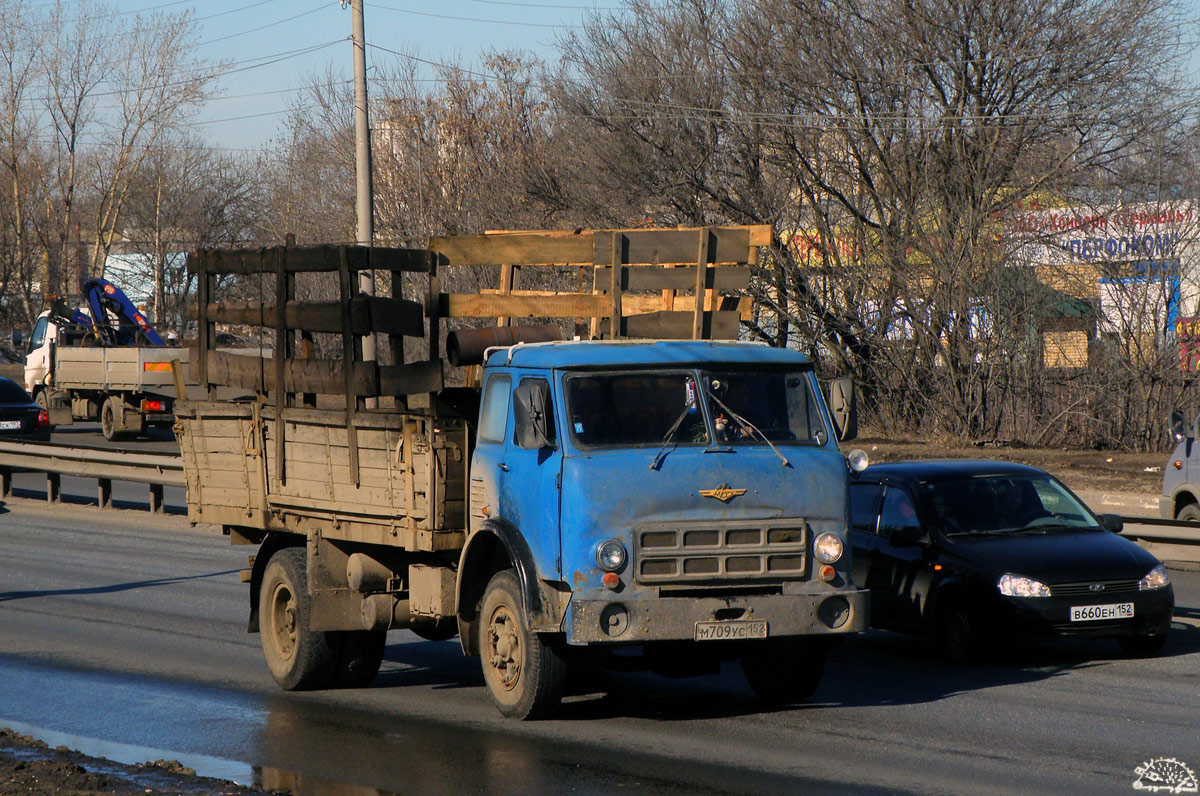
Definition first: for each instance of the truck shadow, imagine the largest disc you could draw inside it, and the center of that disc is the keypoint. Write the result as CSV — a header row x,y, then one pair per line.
x,y
875,670
110,589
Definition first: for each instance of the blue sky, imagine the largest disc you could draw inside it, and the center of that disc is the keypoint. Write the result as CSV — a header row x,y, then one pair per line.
x,y
248,110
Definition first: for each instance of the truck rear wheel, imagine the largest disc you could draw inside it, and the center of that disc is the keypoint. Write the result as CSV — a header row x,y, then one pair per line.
x,y
784,671
525,675
299,658
108,420
360,654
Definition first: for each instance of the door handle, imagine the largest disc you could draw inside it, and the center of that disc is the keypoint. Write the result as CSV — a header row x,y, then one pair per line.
x,y
503,466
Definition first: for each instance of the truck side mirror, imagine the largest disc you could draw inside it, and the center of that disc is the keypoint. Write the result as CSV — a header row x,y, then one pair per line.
x,y
1177,430
843,407
16,339
533,415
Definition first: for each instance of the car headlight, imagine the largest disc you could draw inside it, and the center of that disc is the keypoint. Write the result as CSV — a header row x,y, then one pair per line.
x,y
1156,578
1021,586
610,555
828,548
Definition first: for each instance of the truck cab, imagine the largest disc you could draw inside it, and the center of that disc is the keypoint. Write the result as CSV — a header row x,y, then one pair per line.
x,y
666,492
37,360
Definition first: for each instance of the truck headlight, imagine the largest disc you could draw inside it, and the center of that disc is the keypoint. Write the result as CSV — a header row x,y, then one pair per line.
x,y
610,555
1020,586
1156,578
828,548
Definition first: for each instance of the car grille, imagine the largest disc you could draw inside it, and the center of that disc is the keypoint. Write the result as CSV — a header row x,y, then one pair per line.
x,y
1085,588
705,552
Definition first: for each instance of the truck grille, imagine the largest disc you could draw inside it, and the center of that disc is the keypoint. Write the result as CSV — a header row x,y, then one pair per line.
x,y
700,552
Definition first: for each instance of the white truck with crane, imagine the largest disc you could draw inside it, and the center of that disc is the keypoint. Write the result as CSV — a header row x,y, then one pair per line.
x,y
105,364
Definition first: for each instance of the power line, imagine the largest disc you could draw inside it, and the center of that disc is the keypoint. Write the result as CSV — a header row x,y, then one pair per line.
x,y
313,10
470,19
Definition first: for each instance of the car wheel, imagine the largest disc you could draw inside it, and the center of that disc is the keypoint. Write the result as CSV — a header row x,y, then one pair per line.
x,y
1189,513
1143,646
961,633
785,671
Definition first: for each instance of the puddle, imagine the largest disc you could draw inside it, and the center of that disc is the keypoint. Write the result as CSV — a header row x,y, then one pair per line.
x,y
131,754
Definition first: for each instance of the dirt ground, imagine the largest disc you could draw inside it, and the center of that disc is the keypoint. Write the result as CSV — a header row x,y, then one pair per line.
x,y
1109,471
31,768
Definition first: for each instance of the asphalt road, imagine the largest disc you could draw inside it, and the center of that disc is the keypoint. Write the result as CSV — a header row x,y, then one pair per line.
x,y
126,632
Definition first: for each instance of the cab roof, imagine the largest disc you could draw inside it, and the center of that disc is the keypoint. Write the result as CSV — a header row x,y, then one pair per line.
x,y
663,353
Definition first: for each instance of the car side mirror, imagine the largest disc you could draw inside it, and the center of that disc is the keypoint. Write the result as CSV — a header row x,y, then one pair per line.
x,y
1112,522
907,536
1177,428
843,407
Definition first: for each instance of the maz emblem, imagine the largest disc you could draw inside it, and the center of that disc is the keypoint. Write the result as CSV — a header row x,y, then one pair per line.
x,y
723,493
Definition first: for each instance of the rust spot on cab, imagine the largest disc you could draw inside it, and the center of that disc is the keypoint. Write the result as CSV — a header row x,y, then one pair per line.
x,y
579,578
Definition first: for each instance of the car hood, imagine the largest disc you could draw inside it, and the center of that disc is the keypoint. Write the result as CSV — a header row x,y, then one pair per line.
x,y
1054,557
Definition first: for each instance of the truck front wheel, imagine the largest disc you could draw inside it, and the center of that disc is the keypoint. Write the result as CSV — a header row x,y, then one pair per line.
x,y
298,658
784,671
525,675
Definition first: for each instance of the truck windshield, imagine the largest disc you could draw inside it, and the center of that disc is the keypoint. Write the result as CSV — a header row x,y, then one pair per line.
x,y
651,409
749,407
630,409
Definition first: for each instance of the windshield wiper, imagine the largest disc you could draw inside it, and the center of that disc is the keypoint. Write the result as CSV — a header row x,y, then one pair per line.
x,y
746,425
668,438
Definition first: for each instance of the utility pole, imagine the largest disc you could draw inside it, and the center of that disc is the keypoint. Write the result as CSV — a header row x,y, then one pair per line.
x,y
362,159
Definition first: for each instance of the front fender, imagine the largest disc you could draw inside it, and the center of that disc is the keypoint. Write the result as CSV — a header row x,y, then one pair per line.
x,y
498,545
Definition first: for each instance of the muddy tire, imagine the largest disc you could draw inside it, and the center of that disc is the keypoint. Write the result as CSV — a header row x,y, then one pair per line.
x,y
298,658
1143,646
524,674
360,654
784,671
108,420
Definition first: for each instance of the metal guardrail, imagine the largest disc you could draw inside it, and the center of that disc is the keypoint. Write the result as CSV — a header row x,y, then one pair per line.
x,y
156,470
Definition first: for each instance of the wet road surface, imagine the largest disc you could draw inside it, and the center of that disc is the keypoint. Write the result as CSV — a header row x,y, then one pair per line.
x,y
126,629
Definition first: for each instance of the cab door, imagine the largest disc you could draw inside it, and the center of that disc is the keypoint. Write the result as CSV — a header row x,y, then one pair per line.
x,y
530,473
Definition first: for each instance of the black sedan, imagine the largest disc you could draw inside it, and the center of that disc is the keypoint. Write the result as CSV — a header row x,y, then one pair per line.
x,y
20,417
978,552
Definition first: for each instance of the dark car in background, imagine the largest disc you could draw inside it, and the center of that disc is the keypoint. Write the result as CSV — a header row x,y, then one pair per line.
x,y
20,417
983,552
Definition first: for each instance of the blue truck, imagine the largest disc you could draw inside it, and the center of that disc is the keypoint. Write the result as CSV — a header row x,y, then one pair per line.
x,y
662,504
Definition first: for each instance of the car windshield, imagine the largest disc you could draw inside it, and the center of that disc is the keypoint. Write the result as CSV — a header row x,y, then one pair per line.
x,y
750,407
1006,504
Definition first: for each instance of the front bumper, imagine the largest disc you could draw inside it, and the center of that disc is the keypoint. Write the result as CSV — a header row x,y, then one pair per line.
x,y
1039,618
636,621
